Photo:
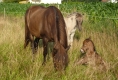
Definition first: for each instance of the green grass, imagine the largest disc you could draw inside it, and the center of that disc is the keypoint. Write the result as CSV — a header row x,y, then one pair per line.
x,y
16,62
93,9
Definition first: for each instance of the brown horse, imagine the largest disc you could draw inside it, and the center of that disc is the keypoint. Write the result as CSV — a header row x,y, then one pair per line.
x,y
47,24
91,56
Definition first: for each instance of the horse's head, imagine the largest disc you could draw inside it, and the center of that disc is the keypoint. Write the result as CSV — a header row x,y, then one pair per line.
x,y
88,46
75,20
79,21
60,57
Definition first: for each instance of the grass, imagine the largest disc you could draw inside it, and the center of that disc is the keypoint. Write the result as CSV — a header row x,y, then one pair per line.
x,y
16,63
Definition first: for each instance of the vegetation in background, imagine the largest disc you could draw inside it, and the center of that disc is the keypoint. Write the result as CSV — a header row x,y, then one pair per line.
x,y
95,11
81,0
62,0
12,1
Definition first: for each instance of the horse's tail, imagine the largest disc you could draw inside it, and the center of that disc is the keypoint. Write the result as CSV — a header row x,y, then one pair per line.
x,y
27,33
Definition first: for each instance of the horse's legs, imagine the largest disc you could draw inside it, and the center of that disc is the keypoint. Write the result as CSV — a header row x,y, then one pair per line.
x,y
71,38
45,46
27,37
26,43
32,46
36,41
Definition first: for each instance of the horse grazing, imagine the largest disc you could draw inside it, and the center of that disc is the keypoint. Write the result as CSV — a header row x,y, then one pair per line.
x,y
73,21
91,57
47,24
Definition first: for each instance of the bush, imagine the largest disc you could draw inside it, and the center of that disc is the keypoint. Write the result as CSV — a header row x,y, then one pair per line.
x,y
10,1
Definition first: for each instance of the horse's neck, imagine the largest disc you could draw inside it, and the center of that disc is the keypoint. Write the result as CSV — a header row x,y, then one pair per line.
x,y
65,19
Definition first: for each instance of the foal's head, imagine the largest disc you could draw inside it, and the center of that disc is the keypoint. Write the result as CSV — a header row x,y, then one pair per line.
x,y
88,46
77,20
60,57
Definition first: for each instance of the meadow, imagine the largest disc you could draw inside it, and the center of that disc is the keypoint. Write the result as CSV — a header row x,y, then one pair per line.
x,y
16,62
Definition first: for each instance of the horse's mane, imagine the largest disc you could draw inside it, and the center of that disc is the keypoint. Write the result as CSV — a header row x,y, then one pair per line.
x,y
61,28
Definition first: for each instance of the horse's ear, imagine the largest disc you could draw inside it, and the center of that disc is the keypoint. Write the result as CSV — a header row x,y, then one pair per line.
x,y
68,48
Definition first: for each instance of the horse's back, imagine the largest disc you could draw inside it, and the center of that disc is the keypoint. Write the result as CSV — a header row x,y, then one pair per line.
x,y
34,18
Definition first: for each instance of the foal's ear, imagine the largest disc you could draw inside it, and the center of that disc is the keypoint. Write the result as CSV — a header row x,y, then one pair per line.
x,y
68,48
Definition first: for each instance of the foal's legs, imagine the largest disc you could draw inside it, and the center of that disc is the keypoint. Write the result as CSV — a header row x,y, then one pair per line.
x,y
82,60
45,46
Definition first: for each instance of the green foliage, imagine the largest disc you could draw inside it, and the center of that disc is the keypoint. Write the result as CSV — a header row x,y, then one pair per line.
x,y
10,1
95,11
81,0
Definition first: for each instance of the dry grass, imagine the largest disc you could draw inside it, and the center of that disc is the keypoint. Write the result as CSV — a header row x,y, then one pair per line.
x,y
16,63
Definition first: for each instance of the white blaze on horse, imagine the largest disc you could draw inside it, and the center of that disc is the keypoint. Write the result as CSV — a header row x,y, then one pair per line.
x,y
73,22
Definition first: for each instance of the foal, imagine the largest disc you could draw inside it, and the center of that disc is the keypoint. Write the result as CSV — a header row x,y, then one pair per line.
x,y
91,57
73,21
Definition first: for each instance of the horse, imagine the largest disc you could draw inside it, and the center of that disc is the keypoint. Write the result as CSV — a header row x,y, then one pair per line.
x,y
47,23
73,21
91,56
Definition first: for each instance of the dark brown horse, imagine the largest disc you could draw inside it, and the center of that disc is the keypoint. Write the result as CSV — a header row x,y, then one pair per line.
x,y
47,24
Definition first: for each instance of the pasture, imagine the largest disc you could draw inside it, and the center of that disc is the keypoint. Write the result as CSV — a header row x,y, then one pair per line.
x,y
16,62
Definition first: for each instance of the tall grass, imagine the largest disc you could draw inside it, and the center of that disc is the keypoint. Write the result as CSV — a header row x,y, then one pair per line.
x,y
16,62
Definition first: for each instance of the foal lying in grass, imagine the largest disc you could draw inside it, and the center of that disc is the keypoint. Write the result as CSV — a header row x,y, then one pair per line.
x,y
91,57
